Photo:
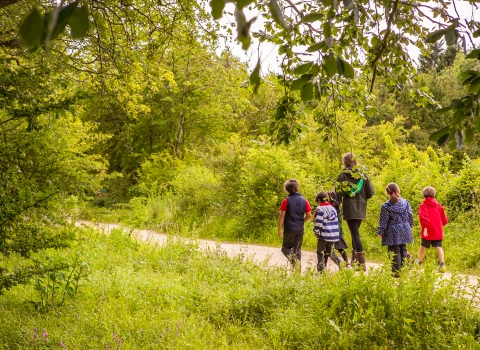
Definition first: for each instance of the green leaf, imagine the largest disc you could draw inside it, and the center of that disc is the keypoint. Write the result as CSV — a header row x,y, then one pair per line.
x,y
278,14
476,33
327,31
439,133
340,68
474,86
255,77
435,36
31,30
444,110
458,116
475,54
307,92
330,66
242,3
63,18
303,68
79,22
312,17
451,36
457,104
316,47
348,70
243,28
298,84
315,69
442,141
469,134
217,8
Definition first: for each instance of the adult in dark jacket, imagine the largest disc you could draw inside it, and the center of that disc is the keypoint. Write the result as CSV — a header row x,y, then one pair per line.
x,y
353,190
395,226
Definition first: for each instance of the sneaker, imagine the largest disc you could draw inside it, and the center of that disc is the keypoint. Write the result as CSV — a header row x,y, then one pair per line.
x,y
348,266
442,268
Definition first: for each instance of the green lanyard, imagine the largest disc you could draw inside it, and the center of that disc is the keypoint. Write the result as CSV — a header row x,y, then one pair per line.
x,y
356,188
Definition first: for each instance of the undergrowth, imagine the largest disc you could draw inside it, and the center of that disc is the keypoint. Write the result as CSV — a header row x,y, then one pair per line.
x,y
140,296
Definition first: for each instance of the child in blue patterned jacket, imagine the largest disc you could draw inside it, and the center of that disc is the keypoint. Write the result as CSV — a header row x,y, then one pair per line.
x,y
395,226
326,230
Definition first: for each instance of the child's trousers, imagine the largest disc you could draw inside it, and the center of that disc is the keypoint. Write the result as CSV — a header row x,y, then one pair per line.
x,y
292,247
399,255
324,251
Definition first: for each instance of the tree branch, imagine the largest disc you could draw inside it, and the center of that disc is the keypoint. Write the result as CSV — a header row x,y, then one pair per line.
x,y
384,44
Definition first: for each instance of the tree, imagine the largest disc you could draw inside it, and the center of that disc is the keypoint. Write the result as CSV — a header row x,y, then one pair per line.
x,y
439,57
44,152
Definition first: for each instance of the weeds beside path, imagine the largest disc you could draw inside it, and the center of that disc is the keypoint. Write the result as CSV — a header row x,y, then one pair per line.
x,y
263,255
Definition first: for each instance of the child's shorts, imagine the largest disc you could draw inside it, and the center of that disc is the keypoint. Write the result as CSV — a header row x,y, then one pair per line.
x,y
426,243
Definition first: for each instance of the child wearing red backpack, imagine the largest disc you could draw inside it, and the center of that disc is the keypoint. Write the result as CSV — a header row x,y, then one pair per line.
x,y
432,219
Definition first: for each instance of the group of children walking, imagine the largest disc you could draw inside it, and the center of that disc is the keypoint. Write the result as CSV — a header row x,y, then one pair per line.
x,y
353,191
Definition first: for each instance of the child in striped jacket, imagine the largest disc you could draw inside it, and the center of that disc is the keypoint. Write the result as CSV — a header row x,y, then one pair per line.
x,y
326,230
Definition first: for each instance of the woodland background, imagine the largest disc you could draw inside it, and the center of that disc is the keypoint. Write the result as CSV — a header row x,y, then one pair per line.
x,y
144,122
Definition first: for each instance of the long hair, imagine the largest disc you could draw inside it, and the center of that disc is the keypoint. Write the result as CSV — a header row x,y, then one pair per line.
x,y
394,192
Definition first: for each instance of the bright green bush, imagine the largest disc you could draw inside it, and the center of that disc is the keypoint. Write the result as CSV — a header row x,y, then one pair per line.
x,y
464,194
195,188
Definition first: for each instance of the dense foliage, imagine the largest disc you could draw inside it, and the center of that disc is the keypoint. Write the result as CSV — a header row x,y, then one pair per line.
x,y
138,296
141,118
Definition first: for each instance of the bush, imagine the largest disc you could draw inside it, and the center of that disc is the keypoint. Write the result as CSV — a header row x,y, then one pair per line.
x,y
464,194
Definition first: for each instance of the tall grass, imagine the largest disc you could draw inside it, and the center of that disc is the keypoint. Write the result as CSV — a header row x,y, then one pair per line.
x,y
139,296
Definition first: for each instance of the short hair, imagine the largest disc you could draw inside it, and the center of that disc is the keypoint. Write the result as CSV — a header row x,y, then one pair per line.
x,y
429,191
322,196
349,160
291,186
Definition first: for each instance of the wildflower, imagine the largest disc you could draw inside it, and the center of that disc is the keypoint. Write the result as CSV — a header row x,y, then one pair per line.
x,y
62,344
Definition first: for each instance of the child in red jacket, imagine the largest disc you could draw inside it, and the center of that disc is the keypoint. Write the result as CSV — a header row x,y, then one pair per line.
x,y
432,219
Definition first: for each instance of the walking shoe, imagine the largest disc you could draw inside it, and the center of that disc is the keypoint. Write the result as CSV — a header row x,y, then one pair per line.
x,y
411,259
442,268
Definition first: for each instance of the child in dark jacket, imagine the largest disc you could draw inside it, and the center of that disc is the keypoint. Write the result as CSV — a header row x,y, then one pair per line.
x,y
294,212
326,230
395,226
432,219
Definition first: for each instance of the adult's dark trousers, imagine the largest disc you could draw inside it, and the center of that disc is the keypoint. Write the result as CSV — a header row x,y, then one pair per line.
x,y
399,256
292,246
354,227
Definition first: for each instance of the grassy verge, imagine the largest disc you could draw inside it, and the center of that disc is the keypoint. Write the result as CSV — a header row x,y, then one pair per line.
x,y
139,296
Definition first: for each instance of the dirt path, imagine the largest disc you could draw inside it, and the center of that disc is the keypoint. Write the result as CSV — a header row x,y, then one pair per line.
x,y
260,254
